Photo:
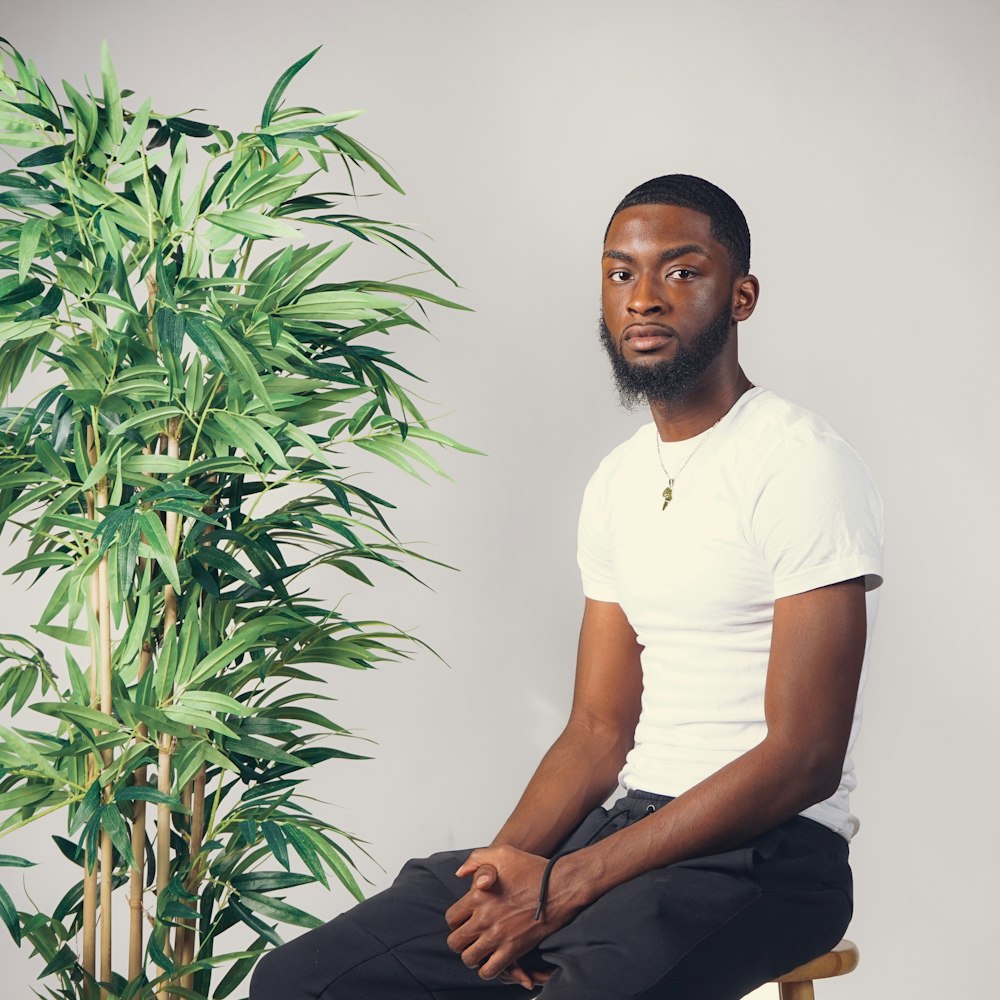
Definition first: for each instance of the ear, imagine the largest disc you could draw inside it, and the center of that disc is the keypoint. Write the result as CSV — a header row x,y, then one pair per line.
x,y
745,294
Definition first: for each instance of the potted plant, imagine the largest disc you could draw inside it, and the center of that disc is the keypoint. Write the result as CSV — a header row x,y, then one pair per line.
x,y
184,469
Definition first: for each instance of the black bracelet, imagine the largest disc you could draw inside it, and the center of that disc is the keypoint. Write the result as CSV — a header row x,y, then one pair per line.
x,y
543,889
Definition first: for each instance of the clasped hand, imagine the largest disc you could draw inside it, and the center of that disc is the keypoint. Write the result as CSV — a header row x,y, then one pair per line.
x,y
494,924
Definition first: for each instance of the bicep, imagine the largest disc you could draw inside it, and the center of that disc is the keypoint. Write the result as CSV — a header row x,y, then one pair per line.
x,y
817,650
608,688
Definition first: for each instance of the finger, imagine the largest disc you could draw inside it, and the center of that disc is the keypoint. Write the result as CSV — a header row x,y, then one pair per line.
x,y
464,939
458,913
469,865
515,975
485,877
495,964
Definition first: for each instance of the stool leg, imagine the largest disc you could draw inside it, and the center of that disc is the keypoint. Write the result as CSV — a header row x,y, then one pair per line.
x,y
796,991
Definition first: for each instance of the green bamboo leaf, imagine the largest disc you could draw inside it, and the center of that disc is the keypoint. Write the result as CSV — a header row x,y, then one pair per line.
x,y
87,717
210,556
8,913
276,909
214,701
45,157
88,807
64,633
166,665
191,717
156,950
310,125
276,841
243,364
86,114
279,88
156,537
42,114
31,233
13,861
154,464
112,96
204,338
136,131
242,429
238,971
28,197
224,654
156,720
65,958
15,747
49,304
112,822
252,747
21,797
335,859
305,850
159,415
126,172
251,224
177,164
145,793
253,923
264,881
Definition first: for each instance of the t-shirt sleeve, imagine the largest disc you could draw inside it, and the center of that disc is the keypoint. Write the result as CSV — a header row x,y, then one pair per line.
x,y
593,549
816,516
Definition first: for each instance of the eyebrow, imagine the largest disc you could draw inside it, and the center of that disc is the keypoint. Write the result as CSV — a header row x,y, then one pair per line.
x,y
668,255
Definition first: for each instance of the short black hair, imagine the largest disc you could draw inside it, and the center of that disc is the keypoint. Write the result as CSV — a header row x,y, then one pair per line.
x,y
729,225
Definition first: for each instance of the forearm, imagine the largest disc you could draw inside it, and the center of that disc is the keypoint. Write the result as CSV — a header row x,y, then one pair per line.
x,y
757,791
577,774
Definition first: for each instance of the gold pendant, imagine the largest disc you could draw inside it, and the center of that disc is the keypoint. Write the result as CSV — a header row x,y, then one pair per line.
x,y
668,495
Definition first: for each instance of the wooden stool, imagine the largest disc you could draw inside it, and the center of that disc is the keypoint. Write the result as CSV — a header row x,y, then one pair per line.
x,y
798,984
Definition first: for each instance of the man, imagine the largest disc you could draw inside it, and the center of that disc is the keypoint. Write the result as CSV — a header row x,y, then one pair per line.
x,y
726,551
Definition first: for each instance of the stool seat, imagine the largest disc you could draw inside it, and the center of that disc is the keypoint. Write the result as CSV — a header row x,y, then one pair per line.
x,y
797,984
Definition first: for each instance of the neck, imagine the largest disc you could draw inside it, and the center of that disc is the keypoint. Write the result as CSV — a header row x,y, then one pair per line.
x,y
703,407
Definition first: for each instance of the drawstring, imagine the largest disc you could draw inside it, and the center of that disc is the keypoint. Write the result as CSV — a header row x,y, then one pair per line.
x,y
543,889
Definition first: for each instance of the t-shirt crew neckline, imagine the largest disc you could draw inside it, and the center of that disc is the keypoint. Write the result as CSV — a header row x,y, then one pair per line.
x,y
680,447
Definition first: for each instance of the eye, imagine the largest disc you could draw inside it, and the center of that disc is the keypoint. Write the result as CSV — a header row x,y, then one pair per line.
x,y
684,273
619,275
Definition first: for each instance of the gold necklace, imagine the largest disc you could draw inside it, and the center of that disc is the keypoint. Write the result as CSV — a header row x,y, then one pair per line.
x,y
668,493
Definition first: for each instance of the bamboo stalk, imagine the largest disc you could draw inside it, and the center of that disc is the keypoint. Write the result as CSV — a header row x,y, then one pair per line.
x,y
107,859
88,952
165,759
196,793
194,877
163,767
182,931
137,876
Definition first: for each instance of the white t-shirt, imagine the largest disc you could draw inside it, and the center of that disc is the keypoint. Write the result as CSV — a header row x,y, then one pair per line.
x,y
772,502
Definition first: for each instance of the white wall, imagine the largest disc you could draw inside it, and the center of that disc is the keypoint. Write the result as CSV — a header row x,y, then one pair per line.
x,y
860,138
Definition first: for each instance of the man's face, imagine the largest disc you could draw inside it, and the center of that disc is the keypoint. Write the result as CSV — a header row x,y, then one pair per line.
x,y
667,301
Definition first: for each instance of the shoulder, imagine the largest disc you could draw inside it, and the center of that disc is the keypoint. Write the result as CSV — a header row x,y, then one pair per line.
x,y
780,437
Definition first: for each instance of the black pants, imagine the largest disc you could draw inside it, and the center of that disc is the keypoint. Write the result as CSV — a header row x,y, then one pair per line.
x,y
711,928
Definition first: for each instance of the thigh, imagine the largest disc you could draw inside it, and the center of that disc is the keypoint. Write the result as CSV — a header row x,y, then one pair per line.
x,y
391,947
711,928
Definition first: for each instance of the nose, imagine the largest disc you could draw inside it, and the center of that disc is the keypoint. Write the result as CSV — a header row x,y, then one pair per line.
x,y
646,298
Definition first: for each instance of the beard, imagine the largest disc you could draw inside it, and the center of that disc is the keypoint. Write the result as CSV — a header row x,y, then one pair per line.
x,y
669,380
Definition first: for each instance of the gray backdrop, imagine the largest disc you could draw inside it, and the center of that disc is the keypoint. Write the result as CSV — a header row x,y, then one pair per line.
x,y
860,137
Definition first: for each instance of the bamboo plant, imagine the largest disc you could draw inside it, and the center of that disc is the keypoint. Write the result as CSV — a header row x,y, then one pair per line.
x,y
183,469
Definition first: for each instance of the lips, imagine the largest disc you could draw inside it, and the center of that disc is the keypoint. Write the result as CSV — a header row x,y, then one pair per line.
x,y
647,336
647,330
